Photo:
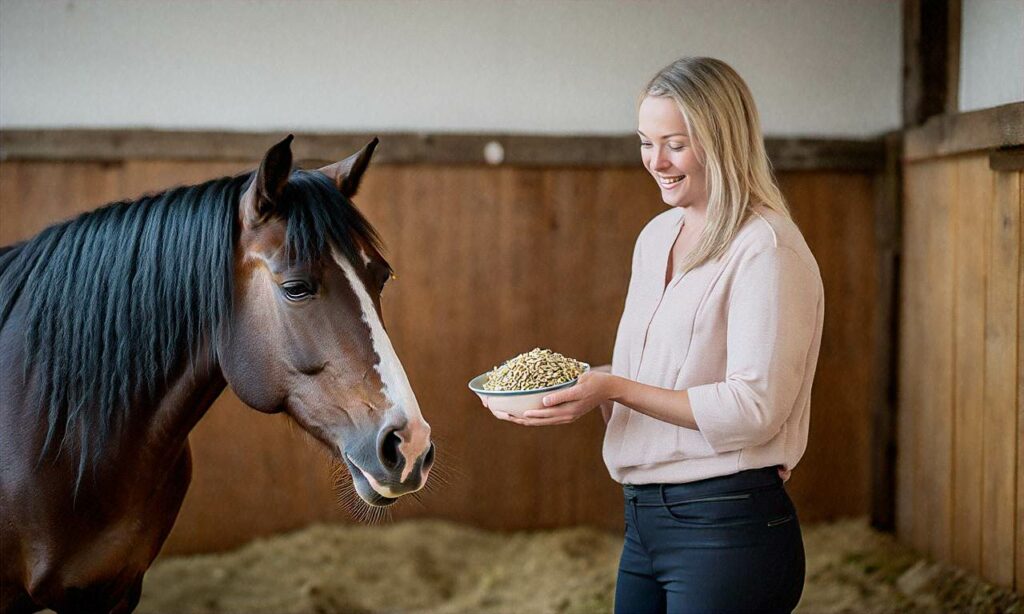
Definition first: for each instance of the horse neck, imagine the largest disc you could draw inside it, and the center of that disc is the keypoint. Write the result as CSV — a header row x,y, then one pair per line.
x,y
164,430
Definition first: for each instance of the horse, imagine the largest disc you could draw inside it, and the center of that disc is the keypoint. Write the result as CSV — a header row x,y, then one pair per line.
x,y
118,330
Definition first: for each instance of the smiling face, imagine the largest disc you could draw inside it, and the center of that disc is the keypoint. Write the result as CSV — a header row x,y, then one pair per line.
x,y
670,154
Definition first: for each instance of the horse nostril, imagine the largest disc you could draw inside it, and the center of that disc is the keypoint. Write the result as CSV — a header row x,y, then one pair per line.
x,y
389,455
428,458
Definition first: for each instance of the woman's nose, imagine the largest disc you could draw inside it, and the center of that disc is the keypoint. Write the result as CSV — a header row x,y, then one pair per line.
x,y
658,159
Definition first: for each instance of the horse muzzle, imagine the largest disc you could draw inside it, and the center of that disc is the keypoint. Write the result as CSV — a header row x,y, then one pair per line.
x,y
381,485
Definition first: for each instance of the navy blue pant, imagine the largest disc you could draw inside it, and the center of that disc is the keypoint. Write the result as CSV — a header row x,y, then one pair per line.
x,y
725,544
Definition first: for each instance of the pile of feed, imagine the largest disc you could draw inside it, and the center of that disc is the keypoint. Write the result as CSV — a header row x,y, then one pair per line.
x,y
441,567
534,369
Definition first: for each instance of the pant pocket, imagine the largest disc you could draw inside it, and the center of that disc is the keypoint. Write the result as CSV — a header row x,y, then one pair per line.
x,y
715,511
780,521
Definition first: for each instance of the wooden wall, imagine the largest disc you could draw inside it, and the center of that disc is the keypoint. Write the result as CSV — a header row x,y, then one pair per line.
x,y
960,469
492,262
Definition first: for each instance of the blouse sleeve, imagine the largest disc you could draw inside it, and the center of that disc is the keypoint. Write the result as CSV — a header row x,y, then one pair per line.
x,y
771,323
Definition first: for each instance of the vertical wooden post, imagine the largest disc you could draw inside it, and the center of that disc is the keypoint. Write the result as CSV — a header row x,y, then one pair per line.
x,y
931,59
888,190
931,76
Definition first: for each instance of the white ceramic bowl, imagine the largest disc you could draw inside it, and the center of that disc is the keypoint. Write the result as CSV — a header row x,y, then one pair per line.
x,y
515,402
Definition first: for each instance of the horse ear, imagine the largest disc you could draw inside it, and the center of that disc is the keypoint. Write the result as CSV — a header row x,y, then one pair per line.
x,y
347,173
267,187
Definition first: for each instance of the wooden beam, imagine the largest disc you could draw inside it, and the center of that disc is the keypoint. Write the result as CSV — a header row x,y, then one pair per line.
x,y
1009,159
888,230
931,59
948,135
405,148
954,15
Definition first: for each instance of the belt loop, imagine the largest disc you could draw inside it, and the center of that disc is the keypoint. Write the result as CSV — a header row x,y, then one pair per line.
x,y
661,492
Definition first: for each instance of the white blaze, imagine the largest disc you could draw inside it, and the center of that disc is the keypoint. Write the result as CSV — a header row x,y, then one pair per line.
x,y
397,389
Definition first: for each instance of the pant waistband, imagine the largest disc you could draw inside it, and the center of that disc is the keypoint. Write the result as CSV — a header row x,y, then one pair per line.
x,y
750,479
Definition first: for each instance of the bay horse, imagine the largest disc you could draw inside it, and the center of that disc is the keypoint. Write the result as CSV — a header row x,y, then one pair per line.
x,y
118,330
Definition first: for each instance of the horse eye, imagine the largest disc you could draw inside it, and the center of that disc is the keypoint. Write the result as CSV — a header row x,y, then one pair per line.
x,y
383,279
380,275
298,290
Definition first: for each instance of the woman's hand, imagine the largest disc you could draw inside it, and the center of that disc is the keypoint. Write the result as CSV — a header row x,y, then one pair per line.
x,y
570,404
500,415
556,398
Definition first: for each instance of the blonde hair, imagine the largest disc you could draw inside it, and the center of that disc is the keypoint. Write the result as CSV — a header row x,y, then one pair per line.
x,y
721,117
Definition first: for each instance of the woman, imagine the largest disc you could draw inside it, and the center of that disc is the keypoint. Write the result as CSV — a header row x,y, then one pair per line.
x,y
708,395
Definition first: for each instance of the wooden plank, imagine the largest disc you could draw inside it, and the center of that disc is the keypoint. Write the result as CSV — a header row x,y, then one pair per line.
x,y
946,135
1001,412
1019,538
974,187
926,402
937,454
913,335
911,340
314,149
36,194
847,343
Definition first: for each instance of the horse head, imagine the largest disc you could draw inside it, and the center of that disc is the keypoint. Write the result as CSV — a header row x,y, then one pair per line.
x,y
306,335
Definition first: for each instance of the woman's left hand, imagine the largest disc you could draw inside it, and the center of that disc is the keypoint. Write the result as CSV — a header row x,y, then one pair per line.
x,y
570,404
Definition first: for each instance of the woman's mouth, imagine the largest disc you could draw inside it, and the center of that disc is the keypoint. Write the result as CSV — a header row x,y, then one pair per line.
x,y
670,181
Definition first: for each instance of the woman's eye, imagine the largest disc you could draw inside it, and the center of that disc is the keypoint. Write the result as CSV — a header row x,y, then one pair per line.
x,y
298,290
676,146
645,144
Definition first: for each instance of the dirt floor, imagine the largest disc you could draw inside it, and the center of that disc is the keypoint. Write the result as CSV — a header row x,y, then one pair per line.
x,y
439,567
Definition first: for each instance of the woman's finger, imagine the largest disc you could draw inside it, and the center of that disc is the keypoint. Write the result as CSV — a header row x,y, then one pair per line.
x,y
562,396
560,410
548,421
500,415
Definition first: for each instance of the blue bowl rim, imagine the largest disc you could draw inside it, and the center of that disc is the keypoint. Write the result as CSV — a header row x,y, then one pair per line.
x,y
515,393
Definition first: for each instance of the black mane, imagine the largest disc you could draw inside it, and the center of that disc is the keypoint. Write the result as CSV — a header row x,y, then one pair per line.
x,y
120,299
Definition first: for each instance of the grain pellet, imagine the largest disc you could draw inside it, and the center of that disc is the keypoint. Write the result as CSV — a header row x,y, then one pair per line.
x,y
534,369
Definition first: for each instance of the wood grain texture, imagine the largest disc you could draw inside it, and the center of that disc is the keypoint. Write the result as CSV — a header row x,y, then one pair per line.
x,y
492,262
1000,417
835,213
534,151
979,470
912,345
1019,537
926,367
960,133
937,454
974,183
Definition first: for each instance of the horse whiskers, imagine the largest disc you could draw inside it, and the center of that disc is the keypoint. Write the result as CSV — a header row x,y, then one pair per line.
x,y
417,497
444,474
348,499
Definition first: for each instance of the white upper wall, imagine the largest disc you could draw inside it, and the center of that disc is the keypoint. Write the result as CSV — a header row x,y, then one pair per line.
x,y
991,53
816,67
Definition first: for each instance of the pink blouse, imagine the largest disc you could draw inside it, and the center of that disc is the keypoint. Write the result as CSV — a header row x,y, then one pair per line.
x,y
740,333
